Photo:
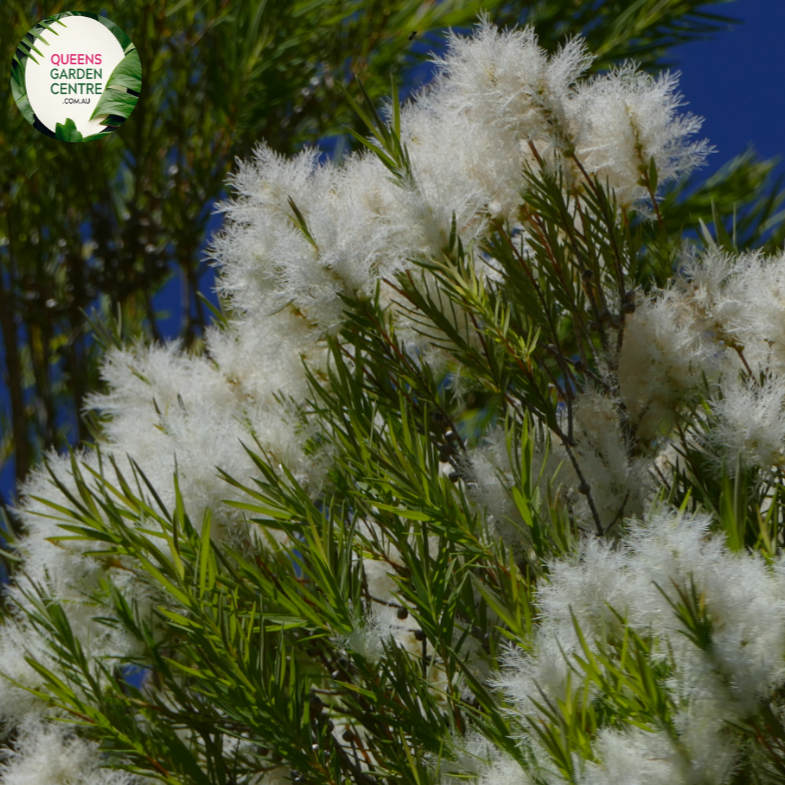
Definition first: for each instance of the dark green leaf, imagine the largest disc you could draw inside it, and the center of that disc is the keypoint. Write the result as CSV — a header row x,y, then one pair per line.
x,y
67,131
128,73
115,102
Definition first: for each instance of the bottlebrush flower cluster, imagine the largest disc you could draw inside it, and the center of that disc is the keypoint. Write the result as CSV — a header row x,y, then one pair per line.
x,y
706,625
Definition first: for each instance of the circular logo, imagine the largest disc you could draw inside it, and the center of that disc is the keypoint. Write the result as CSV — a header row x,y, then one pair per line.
x,y
76,76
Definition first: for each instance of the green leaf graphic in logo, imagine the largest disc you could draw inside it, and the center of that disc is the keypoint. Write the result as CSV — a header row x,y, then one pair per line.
x,y
67,132
100,135
20,90
115,103
27,46
116,98
116,31
128,73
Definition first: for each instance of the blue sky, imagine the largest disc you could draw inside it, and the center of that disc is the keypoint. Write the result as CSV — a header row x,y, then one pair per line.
x,y
735,81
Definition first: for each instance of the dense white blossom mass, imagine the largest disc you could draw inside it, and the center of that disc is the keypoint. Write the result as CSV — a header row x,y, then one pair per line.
x,y
301,233
606,592
45,755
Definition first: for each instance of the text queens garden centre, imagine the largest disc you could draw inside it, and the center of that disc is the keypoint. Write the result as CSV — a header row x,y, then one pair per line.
x,y
76,81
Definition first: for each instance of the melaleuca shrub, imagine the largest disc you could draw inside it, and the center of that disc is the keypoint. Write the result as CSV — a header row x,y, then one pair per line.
x,y
476,478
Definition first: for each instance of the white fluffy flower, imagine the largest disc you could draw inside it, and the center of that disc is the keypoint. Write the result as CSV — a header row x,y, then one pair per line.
x,y
17,676
757,323
491,480
619,484
739,301
635,757
656,566
301,233
46,755
751,422
506,79
628,118
662,362
382,626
